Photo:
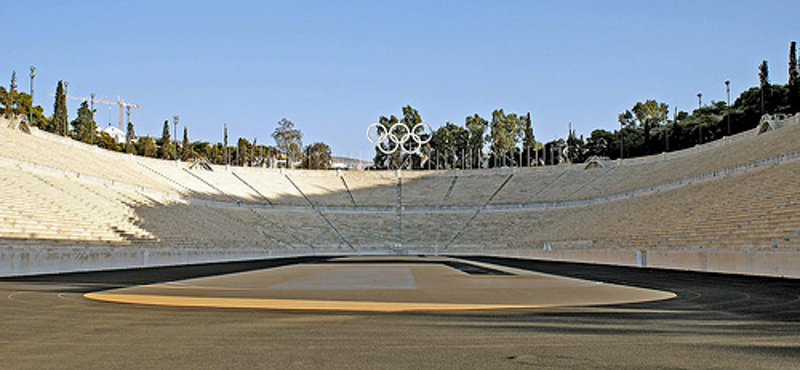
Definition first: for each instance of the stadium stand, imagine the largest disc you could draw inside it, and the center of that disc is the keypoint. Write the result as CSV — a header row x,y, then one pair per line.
x,y
737,195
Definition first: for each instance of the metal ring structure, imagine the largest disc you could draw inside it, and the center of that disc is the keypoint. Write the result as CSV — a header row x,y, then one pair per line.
x,y
398,136
396,129
391,147
412,147
376,133
425,130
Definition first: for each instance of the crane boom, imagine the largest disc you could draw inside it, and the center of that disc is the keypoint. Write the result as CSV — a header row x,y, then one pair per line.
x,y
120,103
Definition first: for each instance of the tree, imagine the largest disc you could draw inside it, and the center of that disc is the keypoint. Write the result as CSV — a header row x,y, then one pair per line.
x,y
381,159
165,143
130,135
576,148
242,148
206,150
317,157
645,117
24,106
289,141
59,120
602,143
451,144
763,78
186,151
794,79
105,141
703,125
5,100
528,139
504,134
476,128
9,97
412,118
398,158
652,115
146,146
84,127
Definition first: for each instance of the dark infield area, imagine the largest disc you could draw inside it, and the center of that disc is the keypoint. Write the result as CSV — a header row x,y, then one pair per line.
x,y
717,321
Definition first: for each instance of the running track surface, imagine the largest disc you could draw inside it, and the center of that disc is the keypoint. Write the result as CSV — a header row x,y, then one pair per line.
x,y
716,321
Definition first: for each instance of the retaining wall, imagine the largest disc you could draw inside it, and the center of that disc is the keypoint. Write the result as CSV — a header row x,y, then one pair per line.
x,y
35,260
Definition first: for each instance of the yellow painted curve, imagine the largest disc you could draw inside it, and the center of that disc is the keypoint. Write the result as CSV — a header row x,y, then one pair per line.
x,y
294,304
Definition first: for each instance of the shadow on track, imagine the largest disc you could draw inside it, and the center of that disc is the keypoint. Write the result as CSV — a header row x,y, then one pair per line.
x,y
92,281
701,295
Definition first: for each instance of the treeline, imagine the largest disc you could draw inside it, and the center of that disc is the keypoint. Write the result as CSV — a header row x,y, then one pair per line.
x,y
507,140
288,150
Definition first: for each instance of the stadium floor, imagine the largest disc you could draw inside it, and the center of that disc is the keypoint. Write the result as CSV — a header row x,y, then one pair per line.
x,y
382,284
716,321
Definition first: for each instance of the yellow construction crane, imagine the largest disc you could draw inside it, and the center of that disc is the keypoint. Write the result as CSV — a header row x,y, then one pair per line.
x,y
120,103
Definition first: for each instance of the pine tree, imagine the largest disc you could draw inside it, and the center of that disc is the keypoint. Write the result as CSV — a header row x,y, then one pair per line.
x,y
84,127
58,124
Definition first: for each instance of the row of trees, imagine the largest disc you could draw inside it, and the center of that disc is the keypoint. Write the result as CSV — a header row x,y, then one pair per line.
x,y
645,129
287,152
509,137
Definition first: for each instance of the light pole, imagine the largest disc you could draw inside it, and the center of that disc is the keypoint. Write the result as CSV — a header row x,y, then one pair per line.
x,y
94,128
700,125
30,112
175,120
728,105
66,92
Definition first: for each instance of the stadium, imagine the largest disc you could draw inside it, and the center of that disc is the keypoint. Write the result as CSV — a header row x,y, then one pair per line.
x,y
726,206
565,185
669,260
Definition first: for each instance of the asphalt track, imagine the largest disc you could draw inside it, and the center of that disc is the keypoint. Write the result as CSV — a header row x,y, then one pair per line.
x,y
716,322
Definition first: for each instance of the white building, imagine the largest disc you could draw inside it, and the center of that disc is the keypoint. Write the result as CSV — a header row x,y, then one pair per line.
x,y
117,134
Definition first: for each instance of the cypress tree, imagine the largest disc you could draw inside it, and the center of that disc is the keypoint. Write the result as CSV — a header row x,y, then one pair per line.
x,y
129,138
794,79
185,147
59,122
166,143
11,96
763,77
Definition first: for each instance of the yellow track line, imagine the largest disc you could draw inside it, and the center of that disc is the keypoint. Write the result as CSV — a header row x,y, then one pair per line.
x,y
294,304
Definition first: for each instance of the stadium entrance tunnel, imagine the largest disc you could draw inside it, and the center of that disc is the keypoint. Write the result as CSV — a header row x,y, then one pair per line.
x,y
382,284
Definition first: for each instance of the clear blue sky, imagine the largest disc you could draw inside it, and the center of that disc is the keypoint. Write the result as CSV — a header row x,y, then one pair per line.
x,y
333,67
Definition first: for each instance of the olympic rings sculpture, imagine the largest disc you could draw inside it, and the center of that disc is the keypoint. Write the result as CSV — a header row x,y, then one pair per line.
x,y
399,137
